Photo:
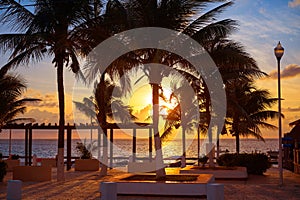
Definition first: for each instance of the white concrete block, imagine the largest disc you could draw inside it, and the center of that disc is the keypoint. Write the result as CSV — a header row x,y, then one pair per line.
x,y
215,191
108,190
14,190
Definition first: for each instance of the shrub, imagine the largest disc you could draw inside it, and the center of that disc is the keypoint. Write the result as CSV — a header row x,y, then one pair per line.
x,y
256,163
3,170
15,157
83,151
203,160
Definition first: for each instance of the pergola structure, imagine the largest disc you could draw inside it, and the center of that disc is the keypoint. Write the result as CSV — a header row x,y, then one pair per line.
x,y
28,128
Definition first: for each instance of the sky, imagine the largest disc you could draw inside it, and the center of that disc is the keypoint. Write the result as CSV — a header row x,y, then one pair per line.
x,y
262,23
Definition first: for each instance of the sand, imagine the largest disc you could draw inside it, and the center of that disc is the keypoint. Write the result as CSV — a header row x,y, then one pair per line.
x,y
85,185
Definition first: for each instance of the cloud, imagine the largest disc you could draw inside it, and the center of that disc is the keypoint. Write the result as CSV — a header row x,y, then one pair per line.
x,y
289,71
262,11
143,114
42,116
47,100
46,111
291,109
294,3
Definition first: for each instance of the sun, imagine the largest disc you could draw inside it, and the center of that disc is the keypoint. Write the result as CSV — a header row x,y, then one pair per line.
x,y
141,102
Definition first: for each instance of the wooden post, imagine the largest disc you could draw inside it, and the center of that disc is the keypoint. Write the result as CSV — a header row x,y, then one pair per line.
x,y
111,138
30,145
26,146
150,144
134,145
69,146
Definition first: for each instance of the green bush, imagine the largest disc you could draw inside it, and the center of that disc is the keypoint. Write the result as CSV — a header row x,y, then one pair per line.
x,y
3,170
256,163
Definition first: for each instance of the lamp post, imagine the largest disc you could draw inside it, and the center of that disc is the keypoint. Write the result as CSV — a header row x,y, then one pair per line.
x,y
278,51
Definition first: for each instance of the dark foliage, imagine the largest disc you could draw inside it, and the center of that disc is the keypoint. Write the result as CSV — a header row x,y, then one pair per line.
x,y
255,163
15,157
84,152
3,170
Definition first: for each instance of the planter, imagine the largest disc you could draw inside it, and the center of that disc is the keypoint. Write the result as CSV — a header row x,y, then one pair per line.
x,y
195,185
11,164
87,165
48,162
218,172
32,173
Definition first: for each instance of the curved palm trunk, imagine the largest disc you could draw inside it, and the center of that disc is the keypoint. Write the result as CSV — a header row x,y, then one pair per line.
x,y
102,121
61,102
160,171
209,131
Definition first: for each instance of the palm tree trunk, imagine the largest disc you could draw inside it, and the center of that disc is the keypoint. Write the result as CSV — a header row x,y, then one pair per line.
x,y
236,133
102,121
198,144
61,101
160,171
183,159
209,131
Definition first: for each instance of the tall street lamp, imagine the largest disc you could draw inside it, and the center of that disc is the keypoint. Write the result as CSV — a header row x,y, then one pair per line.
x,y
278,51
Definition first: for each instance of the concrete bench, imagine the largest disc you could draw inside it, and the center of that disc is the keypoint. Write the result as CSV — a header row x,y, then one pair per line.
x,y
205,186
32,173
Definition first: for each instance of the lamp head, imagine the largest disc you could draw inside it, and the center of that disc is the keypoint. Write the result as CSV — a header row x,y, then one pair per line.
x,y
278,51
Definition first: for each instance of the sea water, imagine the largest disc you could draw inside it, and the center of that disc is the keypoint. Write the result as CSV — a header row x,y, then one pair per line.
x,y
122,148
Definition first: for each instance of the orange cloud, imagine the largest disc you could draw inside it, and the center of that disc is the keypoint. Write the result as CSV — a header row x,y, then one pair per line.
x,y
291,109
294,3
46,111
42,116
289,71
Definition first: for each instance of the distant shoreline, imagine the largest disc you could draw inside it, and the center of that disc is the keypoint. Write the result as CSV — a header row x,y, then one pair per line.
x,y
138,139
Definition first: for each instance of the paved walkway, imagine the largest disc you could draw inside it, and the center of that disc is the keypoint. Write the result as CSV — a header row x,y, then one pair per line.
x,y
85,185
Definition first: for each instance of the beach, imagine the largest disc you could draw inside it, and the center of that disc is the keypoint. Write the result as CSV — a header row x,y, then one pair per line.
x,y
85,185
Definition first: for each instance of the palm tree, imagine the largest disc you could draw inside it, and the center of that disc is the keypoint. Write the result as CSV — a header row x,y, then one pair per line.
x,y
184,114
114,109
54,29
248,109
234,63
11,105
180,16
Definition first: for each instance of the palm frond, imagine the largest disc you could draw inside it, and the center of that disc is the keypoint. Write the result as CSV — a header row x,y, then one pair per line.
x,y
15,12
205,19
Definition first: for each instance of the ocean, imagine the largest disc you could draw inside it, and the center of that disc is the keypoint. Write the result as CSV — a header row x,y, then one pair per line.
x,y
122,148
